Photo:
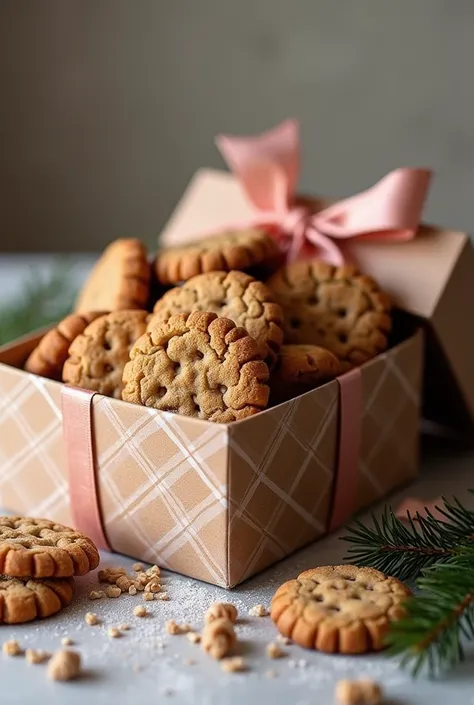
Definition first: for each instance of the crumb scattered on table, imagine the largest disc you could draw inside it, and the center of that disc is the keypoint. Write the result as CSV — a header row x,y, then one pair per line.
x,y
12,648
258,611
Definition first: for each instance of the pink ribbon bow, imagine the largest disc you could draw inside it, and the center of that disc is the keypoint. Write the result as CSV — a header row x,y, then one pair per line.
x,y
267,167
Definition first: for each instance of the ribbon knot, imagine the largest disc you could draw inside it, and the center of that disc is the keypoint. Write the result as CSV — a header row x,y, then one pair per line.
x,y
267,167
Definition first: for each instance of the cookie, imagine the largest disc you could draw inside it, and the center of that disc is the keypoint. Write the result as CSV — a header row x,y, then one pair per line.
x,y
22,600
300,368
39,548
230,250
234,295
120,279
49,356
198,365
97,356
339,609
334,307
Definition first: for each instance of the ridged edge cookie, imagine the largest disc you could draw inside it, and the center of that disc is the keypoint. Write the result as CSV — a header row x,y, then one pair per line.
x,y
22,600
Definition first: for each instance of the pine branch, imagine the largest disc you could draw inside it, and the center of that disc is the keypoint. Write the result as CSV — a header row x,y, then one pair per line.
x,y
403,548
430,636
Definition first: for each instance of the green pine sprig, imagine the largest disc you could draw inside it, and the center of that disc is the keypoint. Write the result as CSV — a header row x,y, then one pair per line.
x,y
405,548
430,636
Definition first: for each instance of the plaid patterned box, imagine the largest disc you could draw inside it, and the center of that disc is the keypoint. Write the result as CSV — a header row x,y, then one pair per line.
x,y
215,502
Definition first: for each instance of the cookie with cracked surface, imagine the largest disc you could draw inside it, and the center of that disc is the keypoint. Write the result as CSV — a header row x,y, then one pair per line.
x,y
339,609
234,295
22,600
239,249
40,548
334,307
97,356
300,368
49,356
198,365
119,280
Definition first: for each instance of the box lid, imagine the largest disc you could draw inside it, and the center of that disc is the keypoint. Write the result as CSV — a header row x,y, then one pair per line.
x,y
431,276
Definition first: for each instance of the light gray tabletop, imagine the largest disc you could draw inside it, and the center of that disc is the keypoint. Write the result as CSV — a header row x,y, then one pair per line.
x,y
147,665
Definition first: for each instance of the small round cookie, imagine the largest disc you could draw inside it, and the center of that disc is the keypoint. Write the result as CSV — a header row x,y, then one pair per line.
x,y
339,609
22,600
49,356
119,280
234,295
39,548
300,368
230,250
198,365
97,356
334,307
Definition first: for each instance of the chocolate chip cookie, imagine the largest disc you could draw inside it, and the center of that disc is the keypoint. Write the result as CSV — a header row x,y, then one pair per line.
x,y
300,368
22,600
334,307
49,356
97,356
339,609
234,295
120,279
230,250
198,365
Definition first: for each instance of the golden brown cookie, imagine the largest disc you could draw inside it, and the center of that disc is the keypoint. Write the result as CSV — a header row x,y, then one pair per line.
x,y
39,548
334,307
300,368
22,600
230,250
198,365
49,356
119,280
97,356
234,295
339,609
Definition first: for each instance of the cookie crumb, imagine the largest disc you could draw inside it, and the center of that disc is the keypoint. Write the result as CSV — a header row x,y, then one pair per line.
x,y
235,664
124,583
218,638
114,633
193,637
96,594
189,662
110,575
124,627
140,611
163,596
66,641
153,572
37,655
64,666
271,673
153,586
143,578
221,610
91,619
132,590
274,651
113,591
173,628
258,611
361,692
138,567
12,648
283,639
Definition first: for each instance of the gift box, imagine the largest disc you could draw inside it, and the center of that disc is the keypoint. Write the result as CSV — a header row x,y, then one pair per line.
x,y
221,502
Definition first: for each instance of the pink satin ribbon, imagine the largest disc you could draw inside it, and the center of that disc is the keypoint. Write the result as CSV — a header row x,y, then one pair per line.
x,y
76,407
350,432
415,506
267,167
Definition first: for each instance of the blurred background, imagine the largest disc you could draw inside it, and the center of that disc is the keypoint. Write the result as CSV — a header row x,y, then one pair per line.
x,y
109,106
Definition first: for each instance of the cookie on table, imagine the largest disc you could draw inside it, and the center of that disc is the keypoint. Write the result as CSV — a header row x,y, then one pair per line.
x,y
334,307
234,295
339,609
49,356
300,368
119,280
239,249
39,548
198,365
97,356
25,599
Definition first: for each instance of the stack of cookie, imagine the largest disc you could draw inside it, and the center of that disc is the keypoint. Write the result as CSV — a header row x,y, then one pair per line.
x,y
38,560
220,345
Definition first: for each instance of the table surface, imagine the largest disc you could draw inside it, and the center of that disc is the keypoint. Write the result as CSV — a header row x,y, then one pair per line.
x,y
148,665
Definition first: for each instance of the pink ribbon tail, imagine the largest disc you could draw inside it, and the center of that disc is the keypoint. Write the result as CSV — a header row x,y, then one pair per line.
x,y
418,507
83,490
350,430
